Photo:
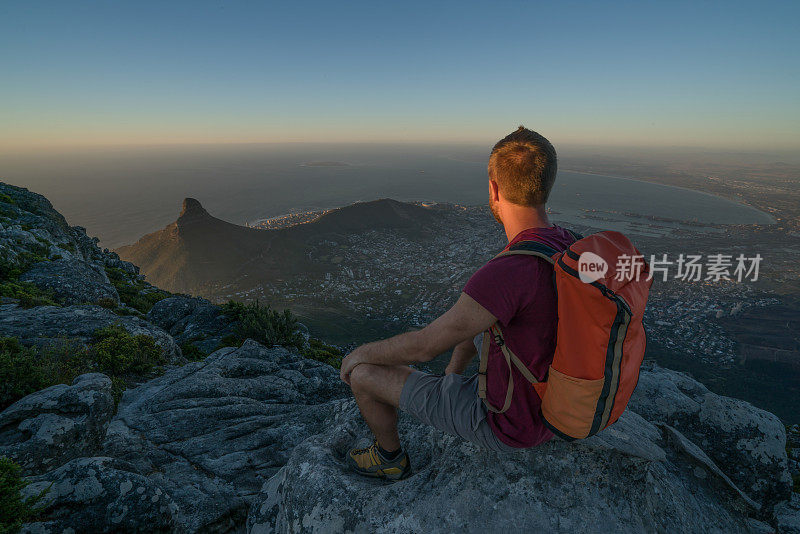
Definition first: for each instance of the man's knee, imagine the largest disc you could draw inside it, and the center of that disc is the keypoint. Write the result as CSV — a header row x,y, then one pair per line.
x,y
362,377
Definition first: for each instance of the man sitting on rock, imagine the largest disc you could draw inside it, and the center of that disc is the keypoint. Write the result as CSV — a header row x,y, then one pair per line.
x,y
515,290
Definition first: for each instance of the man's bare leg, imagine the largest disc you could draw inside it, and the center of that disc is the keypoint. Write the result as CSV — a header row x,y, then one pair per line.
x,y
377,390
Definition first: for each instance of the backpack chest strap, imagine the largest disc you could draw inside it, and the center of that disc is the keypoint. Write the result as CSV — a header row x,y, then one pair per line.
x,y
511,358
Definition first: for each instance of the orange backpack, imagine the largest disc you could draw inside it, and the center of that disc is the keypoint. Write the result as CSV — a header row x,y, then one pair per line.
x,y
602,283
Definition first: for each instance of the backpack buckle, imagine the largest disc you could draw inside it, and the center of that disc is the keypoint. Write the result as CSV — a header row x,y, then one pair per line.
x,y
499,341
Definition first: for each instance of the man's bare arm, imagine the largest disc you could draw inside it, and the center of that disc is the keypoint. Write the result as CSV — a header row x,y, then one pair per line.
x,y
460,323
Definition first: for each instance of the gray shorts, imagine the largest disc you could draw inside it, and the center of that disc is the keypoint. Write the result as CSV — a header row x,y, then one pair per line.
x,y
451,404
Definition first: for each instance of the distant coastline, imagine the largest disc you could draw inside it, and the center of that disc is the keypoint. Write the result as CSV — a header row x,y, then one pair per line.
x,y
325,164
700,191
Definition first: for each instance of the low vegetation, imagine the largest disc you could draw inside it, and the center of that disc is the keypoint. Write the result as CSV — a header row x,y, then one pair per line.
x,y
264,325
133,292
14,509
322,352
121,356
28,294
192,352
112,351
271,328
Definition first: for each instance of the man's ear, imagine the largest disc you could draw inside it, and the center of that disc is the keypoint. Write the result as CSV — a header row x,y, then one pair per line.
x,y
494,190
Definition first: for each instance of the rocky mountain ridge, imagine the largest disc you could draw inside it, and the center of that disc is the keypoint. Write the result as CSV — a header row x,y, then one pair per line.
x,y
251,438
199,250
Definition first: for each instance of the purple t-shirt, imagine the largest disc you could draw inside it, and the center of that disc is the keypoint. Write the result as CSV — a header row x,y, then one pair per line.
x,y
519,291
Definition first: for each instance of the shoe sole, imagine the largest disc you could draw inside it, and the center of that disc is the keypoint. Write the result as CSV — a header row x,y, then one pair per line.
x,y
389,473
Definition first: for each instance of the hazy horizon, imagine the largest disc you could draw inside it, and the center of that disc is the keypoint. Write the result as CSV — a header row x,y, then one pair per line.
x,y
122,194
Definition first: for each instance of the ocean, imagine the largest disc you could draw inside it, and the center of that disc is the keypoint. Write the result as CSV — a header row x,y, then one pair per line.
x,y
120,194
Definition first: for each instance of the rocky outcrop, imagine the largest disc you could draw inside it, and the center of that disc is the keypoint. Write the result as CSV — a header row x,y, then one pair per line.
x,y
30,227
192,320
787,515
49,324
72,281
746,442
256,437
101,495
633,477
49,427
38,246
212,432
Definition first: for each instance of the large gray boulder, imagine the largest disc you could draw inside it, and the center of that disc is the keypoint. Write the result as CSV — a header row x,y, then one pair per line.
x,y
72,281
99,495
44,325
787,515
212,432
47,428
749,444
192,320
632,477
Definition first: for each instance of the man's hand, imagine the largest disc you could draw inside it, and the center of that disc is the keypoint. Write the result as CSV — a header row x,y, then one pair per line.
x,y
350,362
463,353
459,324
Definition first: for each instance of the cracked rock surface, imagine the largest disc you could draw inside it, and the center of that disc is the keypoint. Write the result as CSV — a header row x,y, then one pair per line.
x,y
49,427
212,432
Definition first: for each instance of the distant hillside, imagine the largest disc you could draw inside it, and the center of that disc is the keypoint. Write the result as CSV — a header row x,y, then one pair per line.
x,y
198,250
194,249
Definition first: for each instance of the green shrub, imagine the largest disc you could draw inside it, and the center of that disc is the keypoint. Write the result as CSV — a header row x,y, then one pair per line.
x,y
322,352
192,352
118,353
107,302
25,370
7,199
19,373
264,325
231,340
28,294
134,292
14,510
113,351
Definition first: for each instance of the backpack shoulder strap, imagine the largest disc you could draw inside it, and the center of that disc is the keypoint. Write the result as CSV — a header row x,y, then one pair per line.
x,y
575,235
511,359
531,248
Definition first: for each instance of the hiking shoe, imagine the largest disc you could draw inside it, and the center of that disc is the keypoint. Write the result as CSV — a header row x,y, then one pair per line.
x,y
369,462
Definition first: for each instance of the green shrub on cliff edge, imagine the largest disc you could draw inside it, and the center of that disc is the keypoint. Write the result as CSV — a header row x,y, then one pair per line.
x,y
28,294
113,351
264,325
134,292
322,352
192,352
118,353
25,370
121,355
270,328
14,510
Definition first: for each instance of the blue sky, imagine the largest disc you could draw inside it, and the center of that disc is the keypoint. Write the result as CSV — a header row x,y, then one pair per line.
x,y
721,74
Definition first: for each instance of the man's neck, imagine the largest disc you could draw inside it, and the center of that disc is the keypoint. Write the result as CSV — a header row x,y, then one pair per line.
x,y
519,218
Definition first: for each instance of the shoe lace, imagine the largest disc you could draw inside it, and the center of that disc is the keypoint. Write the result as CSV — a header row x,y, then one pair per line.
x,y
365,450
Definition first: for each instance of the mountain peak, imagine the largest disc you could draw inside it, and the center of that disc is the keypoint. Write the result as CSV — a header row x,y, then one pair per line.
x,y
192,206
